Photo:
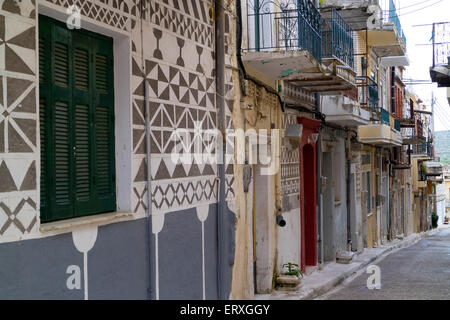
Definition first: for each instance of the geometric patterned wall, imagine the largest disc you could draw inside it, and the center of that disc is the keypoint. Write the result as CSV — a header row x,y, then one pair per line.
x,y
179,70
18,115
290,166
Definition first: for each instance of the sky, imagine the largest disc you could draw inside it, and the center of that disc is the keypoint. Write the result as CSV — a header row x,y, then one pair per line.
x,y
411,14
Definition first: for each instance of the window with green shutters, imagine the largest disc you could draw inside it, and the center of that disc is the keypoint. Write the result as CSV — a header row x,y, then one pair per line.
x,y
76,110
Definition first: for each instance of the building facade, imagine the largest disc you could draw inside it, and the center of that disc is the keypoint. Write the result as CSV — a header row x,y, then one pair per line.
x,y
191,149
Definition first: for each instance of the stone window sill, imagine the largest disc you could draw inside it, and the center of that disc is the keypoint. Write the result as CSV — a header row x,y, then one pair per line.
x,y
98,219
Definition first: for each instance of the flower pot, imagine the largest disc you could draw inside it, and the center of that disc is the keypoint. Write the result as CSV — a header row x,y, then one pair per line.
x,y
288,282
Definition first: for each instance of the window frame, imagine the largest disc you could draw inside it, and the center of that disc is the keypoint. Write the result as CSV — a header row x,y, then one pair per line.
x,y
75,210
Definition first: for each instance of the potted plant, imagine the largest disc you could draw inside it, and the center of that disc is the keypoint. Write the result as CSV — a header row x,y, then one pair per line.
x,y
290,277
434,220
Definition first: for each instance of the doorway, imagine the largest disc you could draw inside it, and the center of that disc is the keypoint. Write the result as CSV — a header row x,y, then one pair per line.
x,y
309,223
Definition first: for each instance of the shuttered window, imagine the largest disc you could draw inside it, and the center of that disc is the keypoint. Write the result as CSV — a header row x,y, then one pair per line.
x,y
76,122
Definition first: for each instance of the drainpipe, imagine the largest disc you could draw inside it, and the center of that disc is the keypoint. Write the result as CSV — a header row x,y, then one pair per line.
x,y
220,104
319,190
349,230
318,107
149,232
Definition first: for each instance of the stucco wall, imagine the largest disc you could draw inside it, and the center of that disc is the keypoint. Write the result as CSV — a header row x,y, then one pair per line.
x,y
171,46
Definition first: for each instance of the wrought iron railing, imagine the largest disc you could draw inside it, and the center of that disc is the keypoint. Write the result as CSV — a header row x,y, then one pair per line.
x,y
393,17
337,37
373,92
284,25
397,125
368,92
384,116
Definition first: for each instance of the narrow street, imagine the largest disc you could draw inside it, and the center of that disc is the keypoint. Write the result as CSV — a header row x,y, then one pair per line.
x,y
421,271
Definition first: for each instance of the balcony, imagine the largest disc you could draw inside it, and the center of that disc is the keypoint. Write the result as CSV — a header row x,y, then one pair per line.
x,y
286,42
384,33
344,111
423,150
379,134
412,131
433,169
385,133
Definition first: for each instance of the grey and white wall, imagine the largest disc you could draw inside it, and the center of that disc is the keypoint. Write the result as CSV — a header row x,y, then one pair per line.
x,y
164,250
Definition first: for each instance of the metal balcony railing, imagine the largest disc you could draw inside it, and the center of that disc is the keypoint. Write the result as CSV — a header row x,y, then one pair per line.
x,y
397,125
419,128
337,37
368,92
385,117
284,25
373,93
392,16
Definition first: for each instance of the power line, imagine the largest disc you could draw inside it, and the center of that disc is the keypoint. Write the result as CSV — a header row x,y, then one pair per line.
x,y
442,115
384,11
442,121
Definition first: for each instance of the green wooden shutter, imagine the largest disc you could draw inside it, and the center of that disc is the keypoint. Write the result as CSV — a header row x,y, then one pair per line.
x,y
82,101
44,115
104,125
76,118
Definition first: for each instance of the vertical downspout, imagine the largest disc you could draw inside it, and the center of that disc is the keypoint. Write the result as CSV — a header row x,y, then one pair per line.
x,y
319,189
319,180
220,105
149,232
349,231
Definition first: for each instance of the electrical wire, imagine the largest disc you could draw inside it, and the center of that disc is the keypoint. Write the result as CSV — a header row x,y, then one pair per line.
x,y
443,112
365,17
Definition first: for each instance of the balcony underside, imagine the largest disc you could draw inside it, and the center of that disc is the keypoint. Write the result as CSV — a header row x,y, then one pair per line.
x,y
385,42
401,167
413,140
301,69
349,9
441,75
394,61
350,120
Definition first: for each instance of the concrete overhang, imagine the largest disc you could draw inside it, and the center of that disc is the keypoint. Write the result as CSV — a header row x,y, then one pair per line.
x,y
385,41
349,9
441,75
281,64
413,140
395,61
299,67
344,111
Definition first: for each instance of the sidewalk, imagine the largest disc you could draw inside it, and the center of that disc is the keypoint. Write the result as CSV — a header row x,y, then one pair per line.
x,y
333,274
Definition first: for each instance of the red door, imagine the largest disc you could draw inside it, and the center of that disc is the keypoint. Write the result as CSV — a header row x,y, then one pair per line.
x,y
308,216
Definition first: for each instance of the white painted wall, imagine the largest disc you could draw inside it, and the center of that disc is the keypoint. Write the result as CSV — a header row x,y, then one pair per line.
x,y
289,239
440,202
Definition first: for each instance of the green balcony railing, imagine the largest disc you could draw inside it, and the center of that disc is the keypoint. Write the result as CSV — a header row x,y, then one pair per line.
x,y
397,125
393,17
373,93
384,116
284,25
368,92
337,37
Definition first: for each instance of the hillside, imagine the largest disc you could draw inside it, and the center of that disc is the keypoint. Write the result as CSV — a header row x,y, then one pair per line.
x,y
442,146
